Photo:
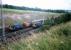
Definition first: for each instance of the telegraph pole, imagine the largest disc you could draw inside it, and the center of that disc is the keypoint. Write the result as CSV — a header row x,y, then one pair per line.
x,y
4,41
3,24
43,19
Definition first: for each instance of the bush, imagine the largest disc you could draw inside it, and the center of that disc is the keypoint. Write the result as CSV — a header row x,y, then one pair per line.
x,y
61,37
55,21
63,18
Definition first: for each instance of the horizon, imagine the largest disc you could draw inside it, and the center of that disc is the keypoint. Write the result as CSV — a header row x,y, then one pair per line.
x,y
42,4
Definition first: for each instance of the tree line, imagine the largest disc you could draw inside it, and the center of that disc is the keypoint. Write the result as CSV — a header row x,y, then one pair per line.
x,y
34,9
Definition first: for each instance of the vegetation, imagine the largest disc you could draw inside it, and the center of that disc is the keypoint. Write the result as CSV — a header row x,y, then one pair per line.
x,y
34,9
11,11
57,38
56,35
56,20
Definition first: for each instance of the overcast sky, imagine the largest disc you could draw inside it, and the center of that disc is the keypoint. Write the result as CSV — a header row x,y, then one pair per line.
x,y
44,4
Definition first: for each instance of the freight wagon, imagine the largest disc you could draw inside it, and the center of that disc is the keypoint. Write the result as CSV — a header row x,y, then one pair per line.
x,y
18,26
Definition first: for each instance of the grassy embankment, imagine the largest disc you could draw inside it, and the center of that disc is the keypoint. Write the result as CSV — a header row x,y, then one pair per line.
x,y
58,37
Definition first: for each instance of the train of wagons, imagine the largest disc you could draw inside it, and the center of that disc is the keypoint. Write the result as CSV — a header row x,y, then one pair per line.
x,y
17,26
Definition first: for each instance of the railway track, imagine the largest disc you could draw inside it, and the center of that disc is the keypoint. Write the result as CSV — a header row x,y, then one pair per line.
x,y
19,34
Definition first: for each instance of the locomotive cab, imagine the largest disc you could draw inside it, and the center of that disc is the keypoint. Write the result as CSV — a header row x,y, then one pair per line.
x,y
37,23
17,27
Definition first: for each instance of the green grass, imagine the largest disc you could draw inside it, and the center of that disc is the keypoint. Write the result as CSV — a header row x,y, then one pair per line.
x,y
57,38
5,10
35,14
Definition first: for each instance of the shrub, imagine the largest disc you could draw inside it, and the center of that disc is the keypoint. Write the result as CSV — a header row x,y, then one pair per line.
x,y
63,18
55,21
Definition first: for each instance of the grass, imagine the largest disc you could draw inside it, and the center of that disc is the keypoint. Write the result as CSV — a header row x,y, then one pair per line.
x,y
34,14
5,10
57,38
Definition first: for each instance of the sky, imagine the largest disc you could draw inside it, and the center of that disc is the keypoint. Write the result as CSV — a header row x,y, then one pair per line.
x,y
43,4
